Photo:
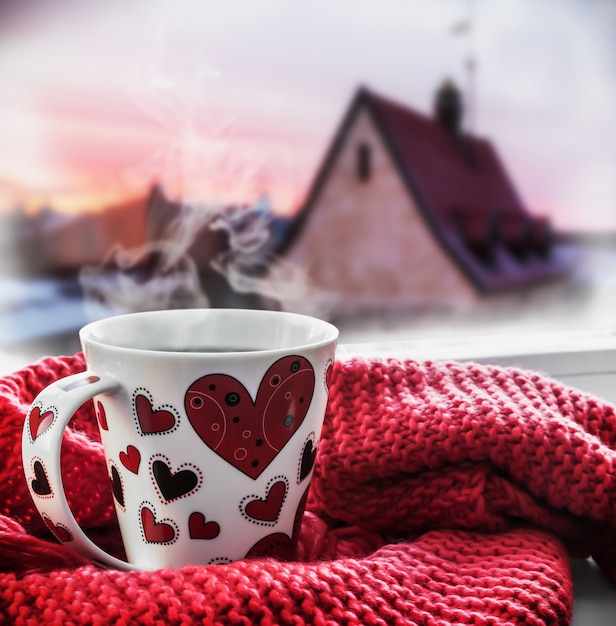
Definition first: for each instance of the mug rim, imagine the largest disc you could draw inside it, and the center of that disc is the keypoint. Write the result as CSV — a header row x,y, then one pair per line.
x,y
328,332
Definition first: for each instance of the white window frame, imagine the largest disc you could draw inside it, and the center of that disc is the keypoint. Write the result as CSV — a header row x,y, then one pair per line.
x,y
585,360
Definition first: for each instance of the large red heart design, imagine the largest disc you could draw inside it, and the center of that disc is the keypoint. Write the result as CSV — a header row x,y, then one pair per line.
x,y
39,421
152,421
155,532
198,528
131,459
268,510
250,434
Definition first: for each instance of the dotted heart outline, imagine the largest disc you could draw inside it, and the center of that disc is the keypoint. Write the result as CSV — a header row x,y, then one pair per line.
x,y
152,508
220,560
47,496
51,525
53,408
311,437
248,499
111,464
330,363
167,461
142,391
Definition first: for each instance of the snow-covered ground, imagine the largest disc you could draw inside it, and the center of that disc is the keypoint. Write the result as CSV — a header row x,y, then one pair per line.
x,y
42,316
585,301
38,316
37,308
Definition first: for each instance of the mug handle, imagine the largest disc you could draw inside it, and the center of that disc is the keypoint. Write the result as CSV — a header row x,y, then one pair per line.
x,y
42,435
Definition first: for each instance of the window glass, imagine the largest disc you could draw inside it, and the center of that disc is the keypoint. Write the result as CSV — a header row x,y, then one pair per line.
x,y
164,155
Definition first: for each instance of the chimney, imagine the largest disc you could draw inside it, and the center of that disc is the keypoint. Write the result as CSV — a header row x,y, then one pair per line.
x,y
448,107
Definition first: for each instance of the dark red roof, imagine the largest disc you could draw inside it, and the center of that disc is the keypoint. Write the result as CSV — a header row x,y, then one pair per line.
x,y
463,191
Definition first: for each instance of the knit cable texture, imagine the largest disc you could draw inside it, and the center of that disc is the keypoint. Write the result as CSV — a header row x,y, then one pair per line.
x,y
442,494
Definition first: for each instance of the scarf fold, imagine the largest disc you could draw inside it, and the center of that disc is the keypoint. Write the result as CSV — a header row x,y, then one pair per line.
x,y
442,494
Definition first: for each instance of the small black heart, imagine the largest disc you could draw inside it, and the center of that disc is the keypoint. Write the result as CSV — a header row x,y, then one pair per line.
x,y
116,486
173,485
308,456
40,485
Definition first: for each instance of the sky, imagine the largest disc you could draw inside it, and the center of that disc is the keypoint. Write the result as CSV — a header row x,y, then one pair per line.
x,y
225,100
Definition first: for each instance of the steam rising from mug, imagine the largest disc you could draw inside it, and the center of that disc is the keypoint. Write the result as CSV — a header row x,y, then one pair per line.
x,y
198,167
162,273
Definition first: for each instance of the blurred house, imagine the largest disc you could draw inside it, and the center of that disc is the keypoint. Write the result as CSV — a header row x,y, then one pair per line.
x,y
410,211
49,242
54,243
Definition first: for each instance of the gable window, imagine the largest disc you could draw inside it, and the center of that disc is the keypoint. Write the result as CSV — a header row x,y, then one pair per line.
x,y
364,162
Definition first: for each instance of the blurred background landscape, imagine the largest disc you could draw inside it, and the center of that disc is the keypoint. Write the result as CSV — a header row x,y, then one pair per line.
x,y
298,157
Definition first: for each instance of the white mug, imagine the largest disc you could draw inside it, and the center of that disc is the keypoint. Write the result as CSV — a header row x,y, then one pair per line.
x,y
210,420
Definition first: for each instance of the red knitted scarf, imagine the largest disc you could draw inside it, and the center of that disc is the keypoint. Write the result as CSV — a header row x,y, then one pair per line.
x,y
442,494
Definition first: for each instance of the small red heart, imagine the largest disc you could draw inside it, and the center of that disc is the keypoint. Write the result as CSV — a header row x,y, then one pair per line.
x,y
131,459
249,434
173,485
198,528
268,510
276,545
117,487
307,461
101,416
151,421
155,532
62,534
328,375
39,422
40,484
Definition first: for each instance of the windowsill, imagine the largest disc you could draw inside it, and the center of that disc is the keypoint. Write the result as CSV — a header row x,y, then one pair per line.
x,y
581,359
